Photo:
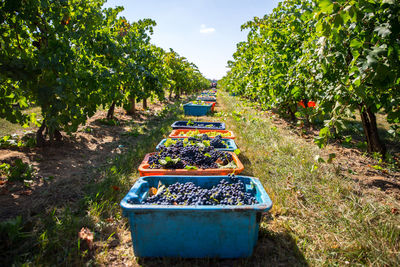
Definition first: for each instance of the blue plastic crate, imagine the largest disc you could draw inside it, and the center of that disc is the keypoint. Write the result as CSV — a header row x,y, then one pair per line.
x,y
230,142
199,125
193,231
196,110
208,94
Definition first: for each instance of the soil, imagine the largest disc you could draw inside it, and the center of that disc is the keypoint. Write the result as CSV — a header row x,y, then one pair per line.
x,y
61,170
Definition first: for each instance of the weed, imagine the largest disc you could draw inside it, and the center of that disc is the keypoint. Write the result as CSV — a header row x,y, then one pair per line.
x,y
12,230
17,171
14,140
87,130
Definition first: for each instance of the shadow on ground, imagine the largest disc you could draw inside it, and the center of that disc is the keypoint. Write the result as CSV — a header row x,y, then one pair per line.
x,y
248,170
272,249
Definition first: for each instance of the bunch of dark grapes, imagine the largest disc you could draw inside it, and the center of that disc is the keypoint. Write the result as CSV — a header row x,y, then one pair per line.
x,y
189,155
217,142
227,192
205,137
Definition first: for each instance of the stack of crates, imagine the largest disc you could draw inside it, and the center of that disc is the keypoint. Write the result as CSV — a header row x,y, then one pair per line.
x,y
198,231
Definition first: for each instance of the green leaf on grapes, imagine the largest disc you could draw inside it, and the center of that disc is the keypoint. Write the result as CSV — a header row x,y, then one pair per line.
x,y
230,165
170,142
191,168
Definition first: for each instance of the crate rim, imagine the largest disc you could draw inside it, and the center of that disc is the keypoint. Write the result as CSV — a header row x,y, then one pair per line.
x,y
262,207
157,172
221,126
197,105
174,133
226,140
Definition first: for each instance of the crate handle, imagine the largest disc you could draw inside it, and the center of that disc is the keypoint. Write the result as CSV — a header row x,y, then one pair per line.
x,y
134,193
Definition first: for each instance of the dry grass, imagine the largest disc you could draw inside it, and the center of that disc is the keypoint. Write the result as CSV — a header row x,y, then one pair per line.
x,y
331,220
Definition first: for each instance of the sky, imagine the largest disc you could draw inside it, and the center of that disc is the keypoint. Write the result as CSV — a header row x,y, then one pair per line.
x,y
204,31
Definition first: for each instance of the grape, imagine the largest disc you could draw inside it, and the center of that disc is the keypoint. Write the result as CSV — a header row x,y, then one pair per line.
x,y
205,137
226,192
178,156
217,142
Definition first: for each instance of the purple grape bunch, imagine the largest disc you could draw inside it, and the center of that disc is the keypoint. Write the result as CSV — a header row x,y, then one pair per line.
x,y
217,142
179,156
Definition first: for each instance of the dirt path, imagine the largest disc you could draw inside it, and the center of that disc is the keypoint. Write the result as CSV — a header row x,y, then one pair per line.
x,y
62,170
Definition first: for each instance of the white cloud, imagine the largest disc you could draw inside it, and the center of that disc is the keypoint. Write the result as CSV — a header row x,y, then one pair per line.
x,y
204,29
